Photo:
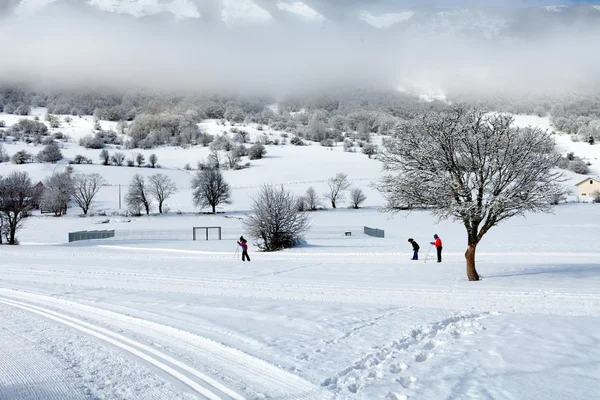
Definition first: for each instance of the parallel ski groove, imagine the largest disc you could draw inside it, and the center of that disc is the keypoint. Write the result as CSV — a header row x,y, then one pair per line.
x,y
129,346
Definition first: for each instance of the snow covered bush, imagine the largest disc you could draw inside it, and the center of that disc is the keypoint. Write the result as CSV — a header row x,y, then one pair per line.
x,y
23,109
275,221
79,159
140,159
296,141
28,127
9,108
2,123
369,149
579,167
256,152
91,142
596,196
221,143
4,157
22,157
50,154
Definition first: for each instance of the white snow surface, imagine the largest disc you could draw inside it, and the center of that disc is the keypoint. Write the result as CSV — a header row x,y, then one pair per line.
x,y
340,317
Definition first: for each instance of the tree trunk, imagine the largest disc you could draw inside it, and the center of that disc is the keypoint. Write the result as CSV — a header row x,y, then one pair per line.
x,y
470,256
214,208
147,209
11,239
160,208
332,203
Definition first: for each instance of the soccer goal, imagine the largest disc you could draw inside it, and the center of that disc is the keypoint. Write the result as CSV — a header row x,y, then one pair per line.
x,y
212,229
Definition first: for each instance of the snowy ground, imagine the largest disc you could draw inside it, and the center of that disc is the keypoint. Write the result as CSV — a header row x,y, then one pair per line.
x,y
343,317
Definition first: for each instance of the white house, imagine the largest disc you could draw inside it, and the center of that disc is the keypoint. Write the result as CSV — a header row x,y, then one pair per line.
x,y
588,187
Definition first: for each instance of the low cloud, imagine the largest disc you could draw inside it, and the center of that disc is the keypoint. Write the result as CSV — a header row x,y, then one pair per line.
x,y
221,50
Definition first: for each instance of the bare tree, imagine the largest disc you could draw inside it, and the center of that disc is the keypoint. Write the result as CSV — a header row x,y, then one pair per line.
x,y
470,166
85,188
153,160
312,200
275,220
18,196
138,195
357,197
369,149
105,157
118,158
215,159
337,186
161,187
210,189
57,193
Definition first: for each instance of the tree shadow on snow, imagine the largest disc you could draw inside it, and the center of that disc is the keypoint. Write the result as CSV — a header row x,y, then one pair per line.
x,y
568,270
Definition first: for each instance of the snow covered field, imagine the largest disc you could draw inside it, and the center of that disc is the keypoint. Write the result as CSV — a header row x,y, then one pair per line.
x,y
342,317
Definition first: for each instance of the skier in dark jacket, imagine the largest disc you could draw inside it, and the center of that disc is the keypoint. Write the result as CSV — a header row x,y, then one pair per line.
x,y
415,247
244,245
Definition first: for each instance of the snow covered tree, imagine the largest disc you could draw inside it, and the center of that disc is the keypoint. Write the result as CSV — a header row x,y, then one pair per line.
x,y
256,152
152,160
311,199
50,154
22,157
4,157
57,193
139,159
18,196
118,158
357,197
210,189
369,149
470,166
337,186
275,220
233,159
161,187
138,195
105,157
85,188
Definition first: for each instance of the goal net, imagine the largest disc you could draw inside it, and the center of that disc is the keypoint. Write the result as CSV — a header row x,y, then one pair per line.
x,y
206,232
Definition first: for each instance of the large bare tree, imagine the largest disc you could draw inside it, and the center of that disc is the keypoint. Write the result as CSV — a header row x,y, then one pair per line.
x,y
275,220
210,189
85,188
161,187
138,195
337,186
18,196
470,166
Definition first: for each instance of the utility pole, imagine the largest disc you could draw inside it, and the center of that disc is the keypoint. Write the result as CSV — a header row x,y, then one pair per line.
x,y
119,196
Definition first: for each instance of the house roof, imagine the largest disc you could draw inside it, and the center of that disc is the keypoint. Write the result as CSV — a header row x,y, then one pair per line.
x,y
587,179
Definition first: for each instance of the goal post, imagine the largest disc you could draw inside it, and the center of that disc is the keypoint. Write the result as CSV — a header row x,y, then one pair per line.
x,y
197,230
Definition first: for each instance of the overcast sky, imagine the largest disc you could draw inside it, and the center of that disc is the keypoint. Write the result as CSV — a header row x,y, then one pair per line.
x,y
80,47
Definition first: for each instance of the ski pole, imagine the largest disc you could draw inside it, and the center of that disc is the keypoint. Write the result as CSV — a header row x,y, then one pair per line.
x,y
428,251
237,249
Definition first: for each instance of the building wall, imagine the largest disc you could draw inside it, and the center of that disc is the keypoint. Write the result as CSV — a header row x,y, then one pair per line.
x,y
587,188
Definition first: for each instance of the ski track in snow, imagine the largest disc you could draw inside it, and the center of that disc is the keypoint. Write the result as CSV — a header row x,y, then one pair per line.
x,y
393,358
258,377
48,361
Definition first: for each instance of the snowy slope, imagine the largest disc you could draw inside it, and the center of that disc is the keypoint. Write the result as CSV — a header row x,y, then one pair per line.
x,y
342,317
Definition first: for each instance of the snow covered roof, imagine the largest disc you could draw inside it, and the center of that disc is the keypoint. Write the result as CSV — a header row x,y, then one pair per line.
x,y
587,179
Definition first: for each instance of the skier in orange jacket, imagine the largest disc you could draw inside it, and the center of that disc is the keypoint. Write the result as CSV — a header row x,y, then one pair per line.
x,y
438,247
